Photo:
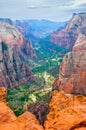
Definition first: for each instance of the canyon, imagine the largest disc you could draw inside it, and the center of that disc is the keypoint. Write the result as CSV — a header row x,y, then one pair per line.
x,y
66,106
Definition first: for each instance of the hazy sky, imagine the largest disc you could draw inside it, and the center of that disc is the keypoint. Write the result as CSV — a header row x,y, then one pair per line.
x,y
55,10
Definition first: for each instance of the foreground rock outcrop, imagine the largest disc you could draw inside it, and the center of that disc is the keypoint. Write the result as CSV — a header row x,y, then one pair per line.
x,y
27,121
6,114
8,120
14,50
67,112
72,75
68,36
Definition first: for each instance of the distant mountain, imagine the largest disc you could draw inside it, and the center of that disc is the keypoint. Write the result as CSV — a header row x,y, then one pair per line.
x,y
67,36
39,32
45,27
26,30
7,20
38,28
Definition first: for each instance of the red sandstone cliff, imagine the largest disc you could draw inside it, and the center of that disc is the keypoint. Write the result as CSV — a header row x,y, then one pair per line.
x,y
14,49
67,36
72,74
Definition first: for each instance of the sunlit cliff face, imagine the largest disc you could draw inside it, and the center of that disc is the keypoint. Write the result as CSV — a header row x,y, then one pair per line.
x,y
72,75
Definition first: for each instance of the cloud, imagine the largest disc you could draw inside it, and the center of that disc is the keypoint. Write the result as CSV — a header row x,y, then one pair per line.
x,y
74,5
57,10
82,5
79,2
38,7
67,4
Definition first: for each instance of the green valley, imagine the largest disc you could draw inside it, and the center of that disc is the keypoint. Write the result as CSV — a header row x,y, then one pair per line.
x,y
45,68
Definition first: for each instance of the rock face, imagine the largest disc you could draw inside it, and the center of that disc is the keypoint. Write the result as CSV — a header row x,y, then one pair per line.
x,y
40,110
13,53
8,120
67,36
6,114
28,49
26,29
72,75
67,112
27,121
36,29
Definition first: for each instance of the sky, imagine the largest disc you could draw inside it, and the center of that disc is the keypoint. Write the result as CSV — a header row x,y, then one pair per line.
x,y
54,10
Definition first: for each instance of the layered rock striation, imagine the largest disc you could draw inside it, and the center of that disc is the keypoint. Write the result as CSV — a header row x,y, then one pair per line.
x,y
14,50
68,36
72,75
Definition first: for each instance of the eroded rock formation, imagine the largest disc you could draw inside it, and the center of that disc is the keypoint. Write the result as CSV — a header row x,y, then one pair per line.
x,y
8,120
68,36
67,112
72,75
